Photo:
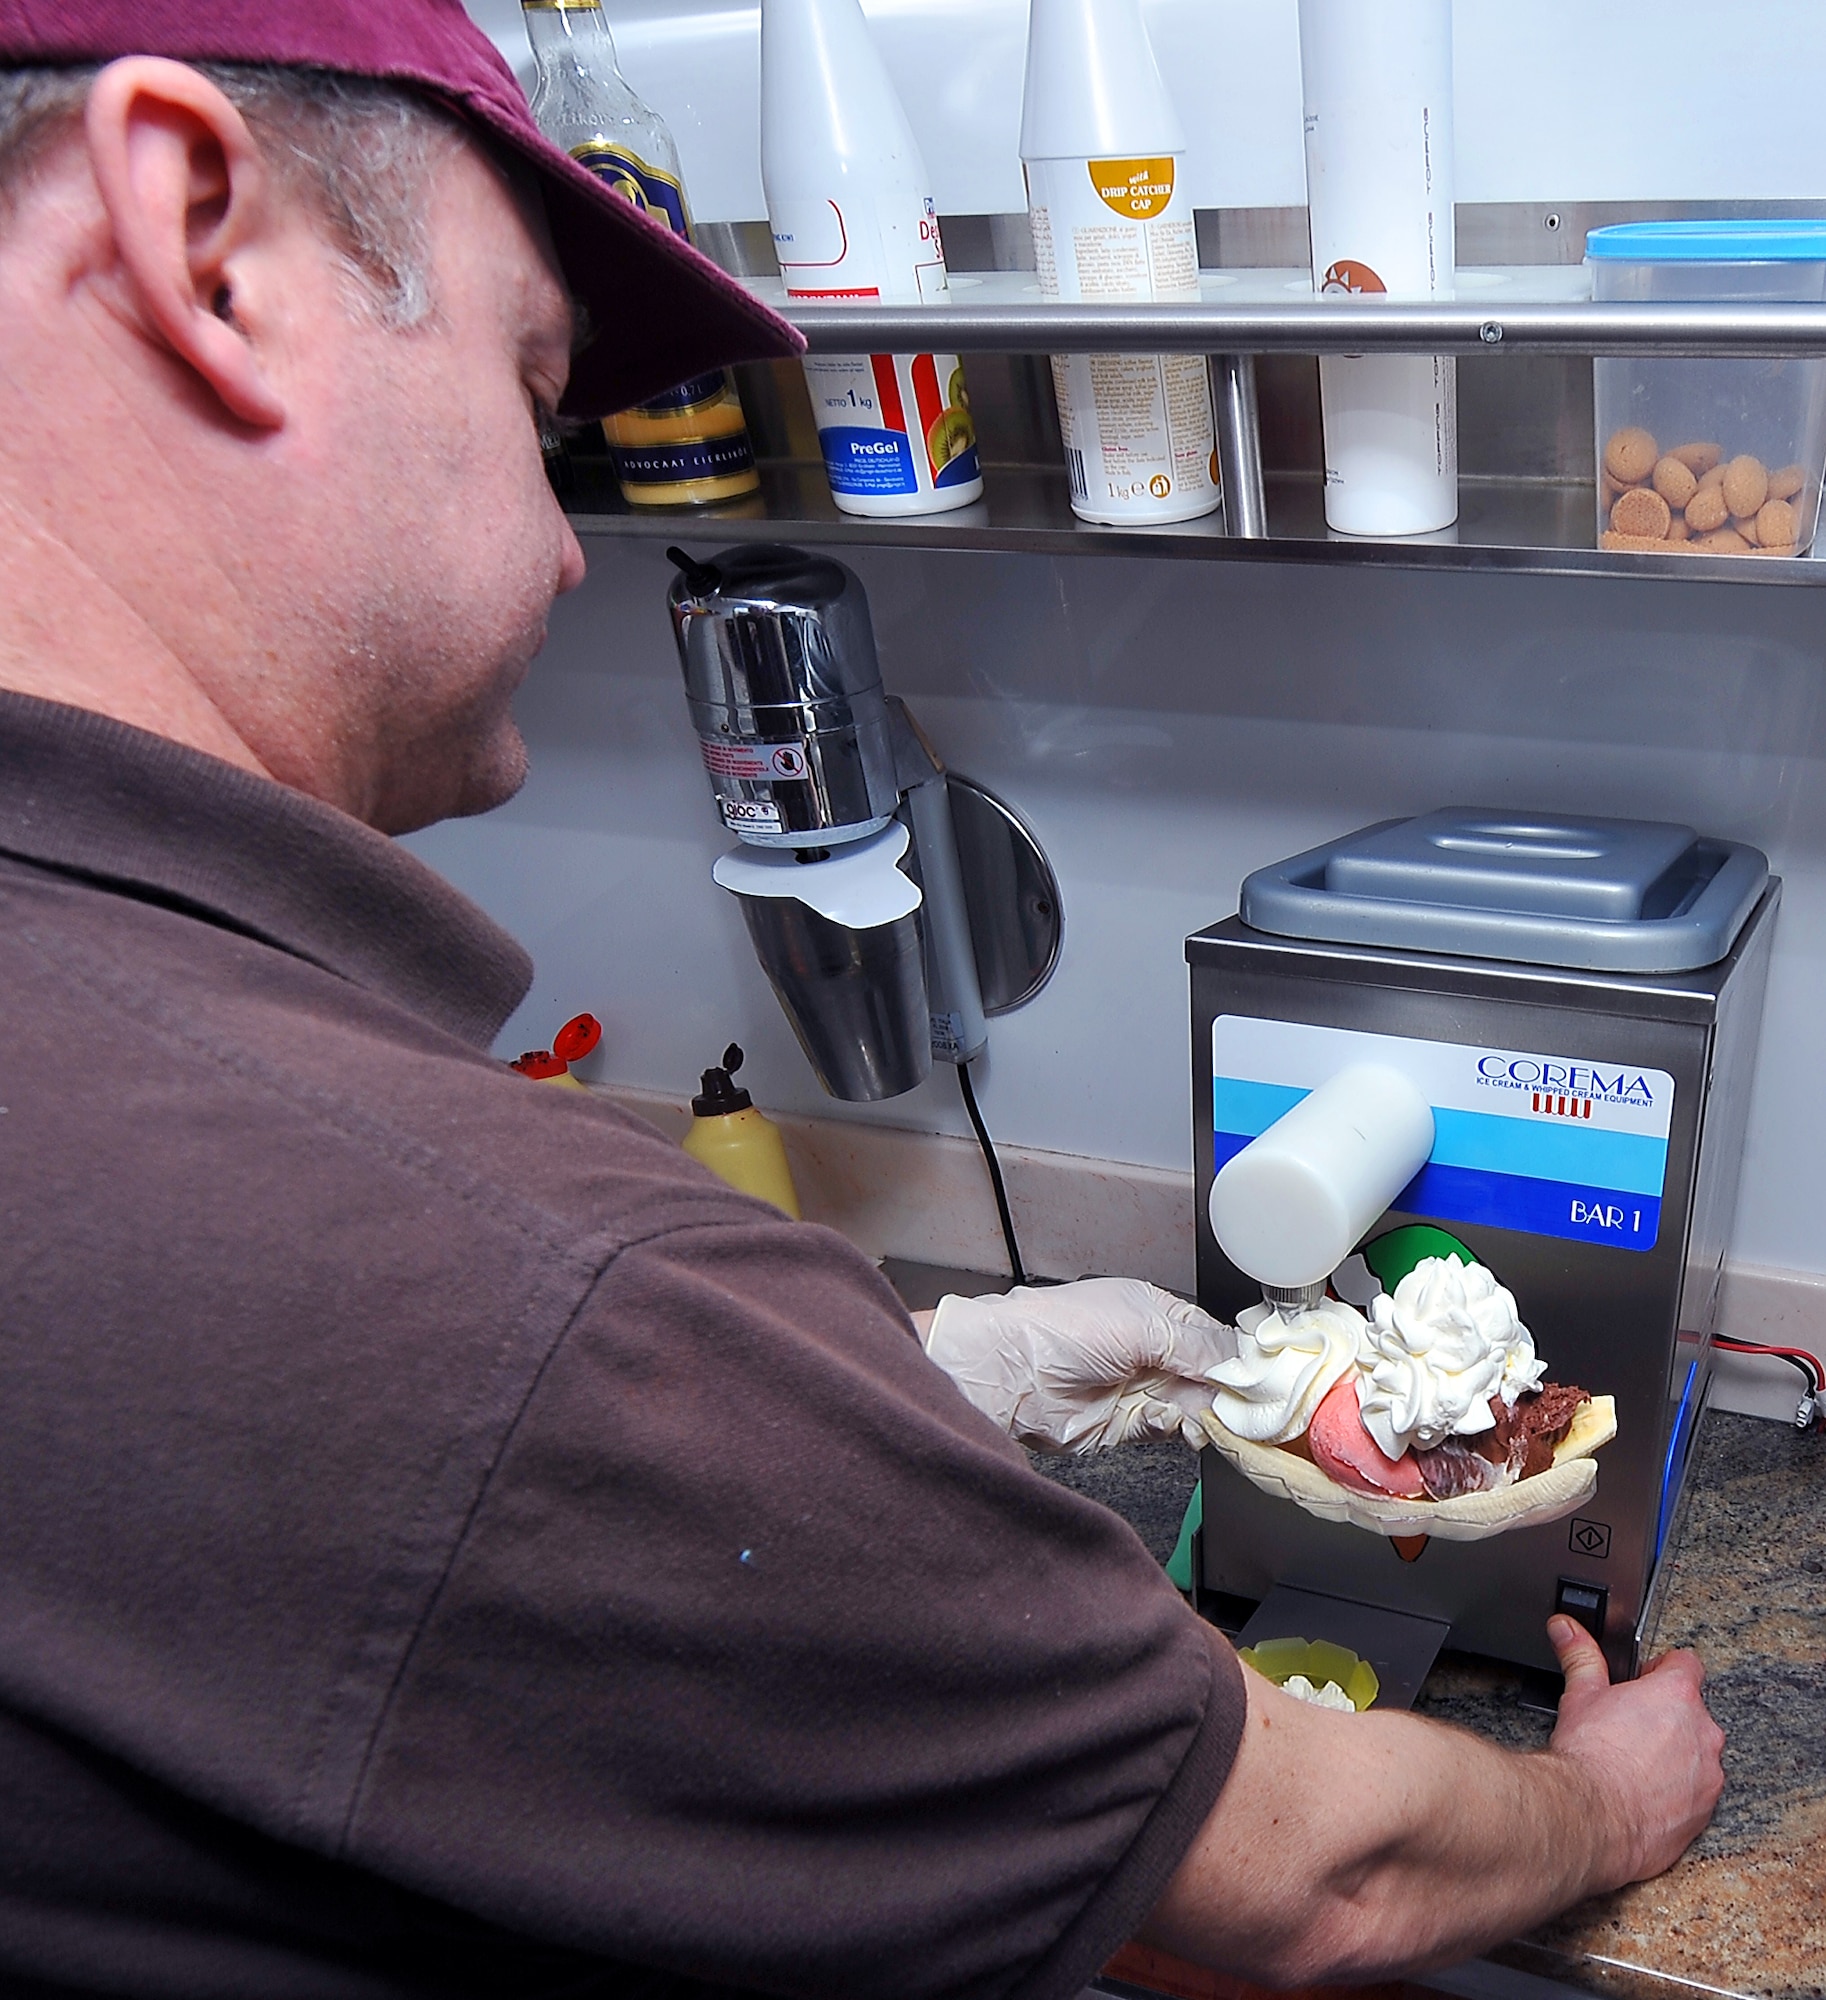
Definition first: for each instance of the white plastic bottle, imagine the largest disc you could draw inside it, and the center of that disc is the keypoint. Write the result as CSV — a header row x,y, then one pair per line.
x,y
852,215
1101,147
1377,85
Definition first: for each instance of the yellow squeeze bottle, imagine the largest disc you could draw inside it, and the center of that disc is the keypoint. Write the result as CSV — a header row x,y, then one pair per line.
x,y
736,1142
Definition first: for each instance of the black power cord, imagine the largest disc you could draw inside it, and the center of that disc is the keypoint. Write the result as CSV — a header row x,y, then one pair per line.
x,y
1017,1269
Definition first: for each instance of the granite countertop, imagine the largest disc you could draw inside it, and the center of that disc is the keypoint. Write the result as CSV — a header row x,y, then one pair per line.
x,y
1744,1913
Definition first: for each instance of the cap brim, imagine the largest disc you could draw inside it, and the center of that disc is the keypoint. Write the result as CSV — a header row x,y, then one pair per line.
x,y
658,311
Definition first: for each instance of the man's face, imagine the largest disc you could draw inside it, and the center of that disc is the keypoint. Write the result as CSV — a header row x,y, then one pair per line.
x,y
439,545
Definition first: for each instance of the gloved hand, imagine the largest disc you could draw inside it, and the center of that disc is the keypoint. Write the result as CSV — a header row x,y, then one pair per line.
x,y
1079,1367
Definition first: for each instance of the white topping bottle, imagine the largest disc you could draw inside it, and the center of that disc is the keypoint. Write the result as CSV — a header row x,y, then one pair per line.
x,y
853,218
1101,147
1377,85
689,446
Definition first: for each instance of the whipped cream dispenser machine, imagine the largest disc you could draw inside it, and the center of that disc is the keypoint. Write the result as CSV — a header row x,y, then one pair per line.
x,y
1527,1044
894,906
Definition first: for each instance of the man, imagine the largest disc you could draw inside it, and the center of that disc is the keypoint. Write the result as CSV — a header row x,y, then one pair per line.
x,y
448,1544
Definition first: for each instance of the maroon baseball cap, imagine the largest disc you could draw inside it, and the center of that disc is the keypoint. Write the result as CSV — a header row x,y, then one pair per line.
x,y
662,312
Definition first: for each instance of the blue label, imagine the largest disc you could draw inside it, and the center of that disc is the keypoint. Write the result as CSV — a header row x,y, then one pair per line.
x,y
698,458
1577,1211
869,461
690,395
646,187
960,470
1545,1144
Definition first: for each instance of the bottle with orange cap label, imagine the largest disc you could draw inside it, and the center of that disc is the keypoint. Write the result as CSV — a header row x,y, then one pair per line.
x,y
1104,154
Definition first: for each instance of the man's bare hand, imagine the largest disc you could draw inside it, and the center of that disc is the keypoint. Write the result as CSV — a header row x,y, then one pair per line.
x,y
1648,1747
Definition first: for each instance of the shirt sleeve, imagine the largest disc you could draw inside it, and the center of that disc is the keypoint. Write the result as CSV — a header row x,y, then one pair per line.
x,y
767,1662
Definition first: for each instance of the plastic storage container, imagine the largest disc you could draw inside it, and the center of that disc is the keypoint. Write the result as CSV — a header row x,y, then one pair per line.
x,y
1717,457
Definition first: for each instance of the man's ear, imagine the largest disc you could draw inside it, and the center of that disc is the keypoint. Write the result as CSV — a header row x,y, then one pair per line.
x,y
187,194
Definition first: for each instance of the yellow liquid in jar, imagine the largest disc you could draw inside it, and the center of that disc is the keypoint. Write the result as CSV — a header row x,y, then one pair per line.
x,y
647,428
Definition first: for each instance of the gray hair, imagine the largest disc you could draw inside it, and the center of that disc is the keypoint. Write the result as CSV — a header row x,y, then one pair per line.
x,y
361,151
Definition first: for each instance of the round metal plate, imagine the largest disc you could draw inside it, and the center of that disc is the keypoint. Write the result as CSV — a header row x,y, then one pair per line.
x,y
1016,922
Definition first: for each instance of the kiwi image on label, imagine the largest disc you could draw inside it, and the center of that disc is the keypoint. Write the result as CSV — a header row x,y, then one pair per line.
x,y
950,433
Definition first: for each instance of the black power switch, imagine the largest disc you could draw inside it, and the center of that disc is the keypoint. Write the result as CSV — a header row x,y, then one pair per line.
x,y
1587,1602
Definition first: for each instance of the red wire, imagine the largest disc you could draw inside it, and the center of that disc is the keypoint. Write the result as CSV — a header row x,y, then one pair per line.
x,y
1803,1357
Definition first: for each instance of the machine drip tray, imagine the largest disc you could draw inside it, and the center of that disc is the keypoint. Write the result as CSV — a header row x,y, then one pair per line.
x,y
1400,1646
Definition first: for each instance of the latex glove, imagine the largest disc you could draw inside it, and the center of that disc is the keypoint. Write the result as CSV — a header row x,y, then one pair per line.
x,y
1080,1367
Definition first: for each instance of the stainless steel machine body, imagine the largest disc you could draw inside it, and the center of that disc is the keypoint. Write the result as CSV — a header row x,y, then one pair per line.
x,y
785,695
1620,1299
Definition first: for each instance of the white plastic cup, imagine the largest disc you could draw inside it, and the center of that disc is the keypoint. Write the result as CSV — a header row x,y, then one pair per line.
x,y
851,210
1295,1202
1377,86
1102,149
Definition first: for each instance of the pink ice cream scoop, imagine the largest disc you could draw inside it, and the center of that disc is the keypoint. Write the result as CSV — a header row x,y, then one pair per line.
x,y
1344,1450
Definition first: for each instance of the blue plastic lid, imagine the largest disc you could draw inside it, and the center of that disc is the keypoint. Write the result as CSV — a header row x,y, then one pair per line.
x,y
1767,240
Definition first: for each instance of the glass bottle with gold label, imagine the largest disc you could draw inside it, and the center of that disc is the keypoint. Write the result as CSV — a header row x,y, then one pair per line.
x,y
691,444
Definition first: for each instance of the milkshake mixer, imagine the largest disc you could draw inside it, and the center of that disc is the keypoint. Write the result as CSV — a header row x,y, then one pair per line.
x,y
834,794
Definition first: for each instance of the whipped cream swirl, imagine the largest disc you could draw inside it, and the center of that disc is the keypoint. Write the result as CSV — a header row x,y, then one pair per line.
x,y
1437,1351
1283,1368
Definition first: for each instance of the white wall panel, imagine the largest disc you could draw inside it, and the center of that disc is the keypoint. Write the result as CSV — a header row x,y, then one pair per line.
x,y
1558,100
1167,727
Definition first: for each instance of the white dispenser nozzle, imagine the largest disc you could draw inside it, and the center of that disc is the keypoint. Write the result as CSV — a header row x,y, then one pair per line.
x,y
1092,84
1294,1203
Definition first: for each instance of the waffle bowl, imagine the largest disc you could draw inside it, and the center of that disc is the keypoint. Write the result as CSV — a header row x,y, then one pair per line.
x,y
1565,1486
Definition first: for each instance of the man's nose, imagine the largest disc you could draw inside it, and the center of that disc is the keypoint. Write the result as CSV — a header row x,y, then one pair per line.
x,y
572,565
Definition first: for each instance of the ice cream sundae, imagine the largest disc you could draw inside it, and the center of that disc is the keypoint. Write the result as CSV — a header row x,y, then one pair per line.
x,y
1430,1415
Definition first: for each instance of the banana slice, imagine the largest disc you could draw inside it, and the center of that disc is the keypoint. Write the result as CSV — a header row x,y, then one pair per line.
x,y
1594,1423
1549,1496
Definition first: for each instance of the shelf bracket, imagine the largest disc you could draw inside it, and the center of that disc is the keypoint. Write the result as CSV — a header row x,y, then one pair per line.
x,y
1239,444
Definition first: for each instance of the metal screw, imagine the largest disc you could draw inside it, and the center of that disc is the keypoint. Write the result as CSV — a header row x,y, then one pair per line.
x,y
1551,220
1490,333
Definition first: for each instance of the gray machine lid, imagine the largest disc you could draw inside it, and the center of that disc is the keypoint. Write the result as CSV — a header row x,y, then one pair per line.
x,y
1606,895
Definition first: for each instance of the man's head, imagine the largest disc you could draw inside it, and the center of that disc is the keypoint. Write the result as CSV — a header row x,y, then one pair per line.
x,y
277,343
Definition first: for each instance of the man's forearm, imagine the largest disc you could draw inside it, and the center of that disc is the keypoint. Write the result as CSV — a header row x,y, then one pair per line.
x,y
1470,1845
1348,1847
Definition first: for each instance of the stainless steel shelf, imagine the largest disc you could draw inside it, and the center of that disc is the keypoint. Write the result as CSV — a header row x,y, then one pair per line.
x,y
1325,326
1542,524
1003,312
1512,525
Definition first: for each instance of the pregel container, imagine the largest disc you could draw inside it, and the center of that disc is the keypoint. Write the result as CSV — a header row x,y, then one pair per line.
x,y
1713,457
